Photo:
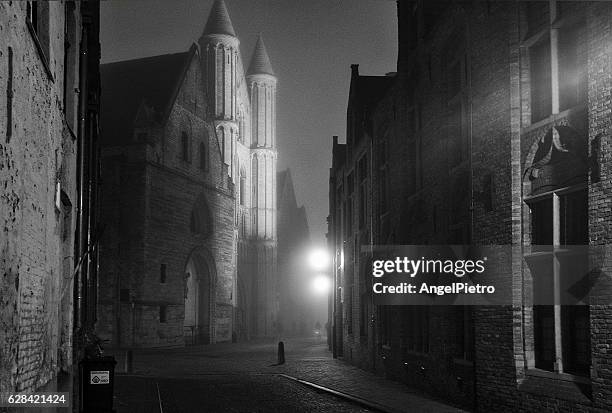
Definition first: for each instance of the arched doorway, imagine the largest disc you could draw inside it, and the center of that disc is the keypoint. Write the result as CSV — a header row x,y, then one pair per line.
x,y
199,276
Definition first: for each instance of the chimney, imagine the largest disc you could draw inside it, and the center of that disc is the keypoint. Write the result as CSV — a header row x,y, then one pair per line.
x,y
355,70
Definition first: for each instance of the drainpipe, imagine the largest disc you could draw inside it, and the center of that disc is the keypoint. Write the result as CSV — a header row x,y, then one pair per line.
x,y
80,238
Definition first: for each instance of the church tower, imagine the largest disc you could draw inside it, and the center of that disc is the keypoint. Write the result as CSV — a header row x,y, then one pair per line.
x,y
261,82
220,53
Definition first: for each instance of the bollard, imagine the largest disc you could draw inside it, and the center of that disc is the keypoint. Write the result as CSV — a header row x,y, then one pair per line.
x,y
129,361
281,352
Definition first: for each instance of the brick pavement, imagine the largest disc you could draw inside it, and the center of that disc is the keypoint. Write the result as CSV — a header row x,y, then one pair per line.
x,y
305,360
320,368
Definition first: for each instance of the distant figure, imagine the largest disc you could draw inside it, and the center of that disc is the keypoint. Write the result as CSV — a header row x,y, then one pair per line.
x,y
318,331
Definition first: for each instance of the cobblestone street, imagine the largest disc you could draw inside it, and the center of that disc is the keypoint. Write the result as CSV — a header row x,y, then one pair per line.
x,y
244,378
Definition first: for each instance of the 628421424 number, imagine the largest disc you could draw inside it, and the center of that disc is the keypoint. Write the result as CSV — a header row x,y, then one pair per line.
x,y
57,399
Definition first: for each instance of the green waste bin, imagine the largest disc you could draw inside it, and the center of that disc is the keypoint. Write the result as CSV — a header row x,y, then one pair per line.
x,y
97,381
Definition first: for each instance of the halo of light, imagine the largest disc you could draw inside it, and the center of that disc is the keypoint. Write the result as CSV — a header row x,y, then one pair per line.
x,y
321,284
318,259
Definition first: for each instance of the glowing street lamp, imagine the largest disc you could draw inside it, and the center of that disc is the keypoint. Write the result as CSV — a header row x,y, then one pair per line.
x,y
319,259
321,284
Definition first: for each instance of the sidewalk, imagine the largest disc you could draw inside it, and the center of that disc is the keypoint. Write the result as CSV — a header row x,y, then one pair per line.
x,y
345,378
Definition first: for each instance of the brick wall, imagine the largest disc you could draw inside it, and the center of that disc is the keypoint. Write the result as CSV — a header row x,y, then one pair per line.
x,y
432,200
36,238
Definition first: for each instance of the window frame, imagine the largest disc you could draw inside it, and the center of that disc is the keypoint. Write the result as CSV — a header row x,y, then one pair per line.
x,y
554,253
34,28
550,31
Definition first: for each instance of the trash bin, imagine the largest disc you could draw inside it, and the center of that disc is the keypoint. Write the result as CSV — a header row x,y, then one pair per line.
x,y
97,381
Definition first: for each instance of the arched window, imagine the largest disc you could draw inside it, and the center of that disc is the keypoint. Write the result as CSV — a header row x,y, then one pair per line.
x,y
242,186
203,156
200,222
254,180
184,147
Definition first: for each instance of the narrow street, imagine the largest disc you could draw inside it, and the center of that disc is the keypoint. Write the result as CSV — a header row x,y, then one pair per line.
x,y
238,377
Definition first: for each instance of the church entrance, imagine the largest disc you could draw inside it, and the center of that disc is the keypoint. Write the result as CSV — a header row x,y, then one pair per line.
x,y
198,300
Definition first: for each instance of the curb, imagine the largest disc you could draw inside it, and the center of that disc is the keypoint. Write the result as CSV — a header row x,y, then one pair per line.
x,y
357,400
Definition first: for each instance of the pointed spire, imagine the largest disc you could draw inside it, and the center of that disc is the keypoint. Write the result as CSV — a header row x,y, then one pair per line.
x,y
219,21
260,63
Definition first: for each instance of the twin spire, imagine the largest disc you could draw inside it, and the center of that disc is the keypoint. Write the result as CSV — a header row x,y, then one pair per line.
x,y
219,22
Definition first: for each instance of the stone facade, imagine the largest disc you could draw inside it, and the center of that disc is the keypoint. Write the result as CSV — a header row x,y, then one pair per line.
x,y
497,113
296,316
189,157
40,178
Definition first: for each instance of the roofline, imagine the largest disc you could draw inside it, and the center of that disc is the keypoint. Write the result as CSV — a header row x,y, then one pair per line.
x,y
192,51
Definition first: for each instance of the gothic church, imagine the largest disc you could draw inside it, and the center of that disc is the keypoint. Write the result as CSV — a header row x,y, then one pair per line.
x,y
188,251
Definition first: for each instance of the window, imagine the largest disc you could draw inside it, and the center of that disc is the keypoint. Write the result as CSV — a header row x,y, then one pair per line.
x,y
185,147
540,69
200,222
572,66
349,307
38,23
383,190
363,191
254,181
124,295
555,48
364,314
382,177
457,83
350,187
242,193
415,329
203,156
162,314
385,321
241,126
419,162
537,16
464,328
162,274
561,333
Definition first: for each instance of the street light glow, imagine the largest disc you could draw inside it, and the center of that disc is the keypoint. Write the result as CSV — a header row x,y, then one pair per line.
x,y
319,259
321,284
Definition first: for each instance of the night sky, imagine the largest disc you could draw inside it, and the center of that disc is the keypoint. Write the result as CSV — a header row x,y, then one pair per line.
x,y
311,44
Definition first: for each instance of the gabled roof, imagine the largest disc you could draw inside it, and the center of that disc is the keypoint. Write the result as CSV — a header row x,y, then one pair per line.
x,y
219,21
371,89
127,85
364,94
260,62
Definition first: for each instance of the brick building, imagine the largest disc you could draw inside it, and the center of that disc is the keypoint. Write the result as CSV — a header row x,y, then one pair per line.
x,y
49,61
494,131
189,198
